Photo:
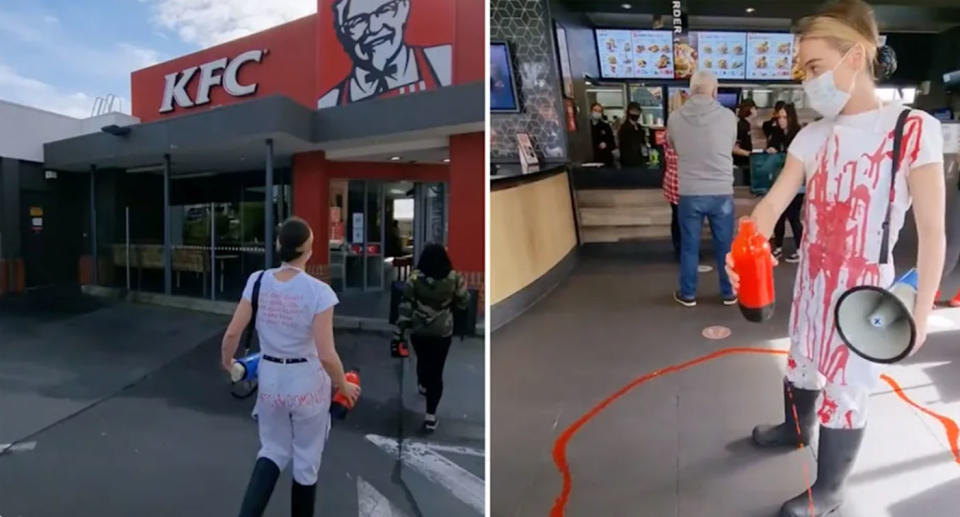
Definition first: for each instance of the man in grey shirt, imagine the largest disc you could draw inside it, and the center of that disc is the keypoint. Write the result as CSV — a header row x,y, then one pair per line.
x,y
703,132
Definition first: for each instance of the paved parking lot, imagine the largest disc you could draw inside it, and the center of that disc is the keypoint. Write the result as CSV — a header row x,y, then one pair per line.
x,y
119,410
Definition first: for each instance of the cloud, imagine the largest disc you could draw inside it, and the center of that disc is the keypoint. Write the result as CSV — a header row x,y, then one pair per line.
x,y
38,94
101,69
210,22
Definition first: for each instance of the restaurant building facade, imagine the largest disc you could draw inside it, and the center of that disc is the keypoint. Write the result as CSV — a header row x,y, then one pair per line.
x,y
366,119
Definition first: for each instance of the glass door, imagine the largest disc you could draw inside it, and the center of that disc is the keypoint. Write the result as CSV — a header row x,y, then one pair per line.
x,y
430,215
362,248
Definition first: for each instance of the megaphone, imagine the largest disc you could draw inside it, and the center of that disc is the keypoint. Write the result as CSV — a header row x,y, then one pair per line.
x,y
876,323
243,375
245,368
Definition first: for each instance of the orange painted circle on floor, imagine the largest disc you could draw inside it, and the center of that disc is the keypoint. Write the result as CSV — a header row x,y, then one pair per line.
x,y
716,332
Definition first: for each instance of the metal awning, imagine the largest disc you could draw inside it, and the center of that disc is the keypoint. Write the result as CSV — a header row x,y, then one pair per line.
x,y
232,137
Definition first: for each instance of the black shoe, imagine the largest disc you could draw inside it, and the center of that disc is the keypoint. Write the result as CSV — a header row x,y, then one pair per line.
x,y
793,258
430,423
837,453
262,481
786,434
730,300
777,253
302,499
686,302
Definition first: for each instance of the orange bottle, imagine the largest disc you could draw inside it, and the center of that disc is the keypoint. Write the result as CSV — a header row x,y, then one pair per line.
x,y
340,405
753,263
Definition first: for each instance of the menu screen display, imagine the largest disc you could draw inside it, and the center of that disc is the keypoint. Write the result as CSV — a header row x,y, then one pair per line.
x,y
635,54
770,56
723,53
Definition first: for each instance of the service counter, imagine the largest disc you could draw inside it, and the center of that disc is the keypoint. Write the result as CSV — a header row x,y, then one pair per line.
x,y
533,236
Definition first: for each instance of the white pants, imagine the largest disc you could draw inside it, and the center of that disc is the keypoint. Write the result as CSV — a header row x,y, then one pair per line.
x,y
843,404
293,412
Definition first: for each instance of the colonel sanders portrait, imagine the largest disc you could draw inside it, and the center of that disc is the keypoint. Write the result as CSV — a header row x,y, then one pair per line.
x,y
372,34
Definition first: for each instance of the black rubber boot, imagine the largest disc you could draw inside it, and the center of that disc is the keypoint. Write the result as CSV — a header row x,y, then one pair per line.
x,y
785,434
262,481
302,499
838,452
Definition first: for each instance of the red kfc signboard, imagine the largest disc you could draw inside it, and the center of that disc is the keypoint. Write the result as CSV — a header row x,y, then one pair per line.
x,y
349,51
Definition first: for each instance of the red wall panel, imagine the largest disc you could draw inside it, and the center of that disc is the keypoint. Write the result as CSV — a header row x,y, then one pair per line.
x,y
287,68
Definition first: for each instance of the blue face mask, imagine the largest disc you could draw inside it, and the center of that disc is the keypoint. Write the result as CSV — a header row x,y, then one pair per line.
x,y
823,94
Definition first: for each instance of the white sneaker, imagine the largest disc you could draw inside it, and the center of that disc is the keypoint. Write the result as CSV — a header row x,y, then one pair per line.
x,y
430,423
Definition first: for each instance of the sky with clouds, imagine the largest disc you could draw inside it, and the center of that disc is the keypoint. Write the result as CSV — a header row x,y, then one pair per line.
x,y
60,55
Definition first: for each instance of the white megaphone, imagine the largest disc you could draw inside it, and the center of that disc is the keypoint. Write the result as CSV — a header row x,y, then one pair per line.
x,y
876,323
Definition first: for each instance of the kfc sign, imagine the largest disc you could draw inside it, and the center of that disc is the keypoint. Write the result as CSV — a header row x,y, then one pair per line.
x,y
222,72
387,54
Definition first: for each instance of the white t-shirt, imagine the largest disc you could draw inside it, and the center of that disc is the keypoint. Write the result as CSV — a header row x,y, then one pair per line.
x,y
286,311
812,137
847,164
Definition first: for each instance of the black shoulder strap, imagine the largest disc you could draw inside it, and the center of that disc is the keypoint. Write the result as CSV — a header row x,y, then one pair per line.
x,y
897,151
255,302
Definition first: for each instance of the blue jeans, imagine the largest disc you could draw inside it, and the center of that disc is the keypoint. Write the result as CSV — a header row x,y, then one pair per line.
x,y
719,211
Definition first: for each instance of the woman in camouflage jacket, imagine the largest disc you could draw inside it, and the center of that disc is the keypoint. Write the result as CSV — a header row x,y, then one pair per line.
x,y
426,315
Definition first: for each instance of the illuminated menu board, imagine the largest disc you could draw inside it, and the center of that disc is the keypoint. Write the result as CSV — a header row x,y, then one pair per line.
x,y
635,54
770,56
723,53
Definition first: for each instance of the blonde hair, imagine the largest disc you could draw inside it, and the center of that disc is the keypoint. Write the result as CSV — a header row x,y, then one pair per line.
x,y
844,24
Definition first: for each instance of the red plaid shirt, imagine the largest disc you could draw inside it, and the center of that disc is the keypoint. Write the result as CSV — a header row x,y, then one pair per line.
x,y
671,182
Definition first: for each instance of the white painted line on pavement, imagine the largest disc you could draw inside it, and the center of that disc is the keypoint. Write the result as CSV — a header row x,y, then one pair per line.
x,y
460,482
374,504
455,449
18,447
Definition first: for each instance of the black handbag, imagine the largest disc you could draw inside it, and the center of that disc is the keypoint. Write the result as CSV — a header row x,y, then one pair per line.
x,y
245,388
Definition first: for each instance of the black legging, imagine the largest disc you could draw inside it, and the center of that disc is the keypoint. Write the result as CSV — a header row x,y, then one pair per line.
x,y
431,356
792,214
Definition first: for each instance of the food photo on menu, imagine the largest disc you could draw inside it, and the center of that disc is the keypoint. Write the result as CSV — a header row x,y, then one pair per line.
x,y
616,53
722,53
652,54
770,55
635,54
685,55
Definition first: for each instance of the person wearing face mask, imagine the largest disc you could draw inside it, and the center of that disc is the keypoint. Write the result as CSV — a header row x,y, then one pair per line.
x,y
634,138
854,209
603,142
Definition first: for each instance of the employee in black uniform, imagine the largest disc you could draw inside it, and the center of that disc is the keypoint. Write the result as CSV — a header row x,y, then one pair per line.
x,y
603,142
634,139
771,125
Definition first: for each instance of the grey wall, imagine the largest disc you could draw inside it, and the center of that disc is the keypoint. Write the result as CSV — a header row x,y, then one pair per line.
x,y
9,208
526,26
583,62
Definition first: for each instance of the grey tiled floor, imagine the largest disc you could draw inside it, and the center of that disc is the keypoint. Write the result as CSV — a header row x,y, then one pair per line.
x,y
676,446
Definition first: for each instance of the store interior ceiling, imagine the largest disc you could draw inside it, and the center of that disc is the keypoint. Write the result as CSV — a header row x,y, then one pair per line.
x,y
892,15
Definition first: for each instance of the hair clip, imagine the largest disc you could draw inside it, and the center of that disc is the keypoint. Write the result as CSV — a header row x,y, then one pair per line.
x,y
886,62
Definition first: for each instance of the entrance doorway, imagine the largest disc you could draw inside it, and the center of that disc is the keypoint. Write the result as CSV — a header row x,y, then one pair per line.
x,y
377,230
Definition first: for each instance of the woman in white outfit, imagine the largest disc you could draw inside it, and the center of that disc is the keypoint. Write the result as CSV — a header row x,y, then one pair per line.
x,y
295,328
846,162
